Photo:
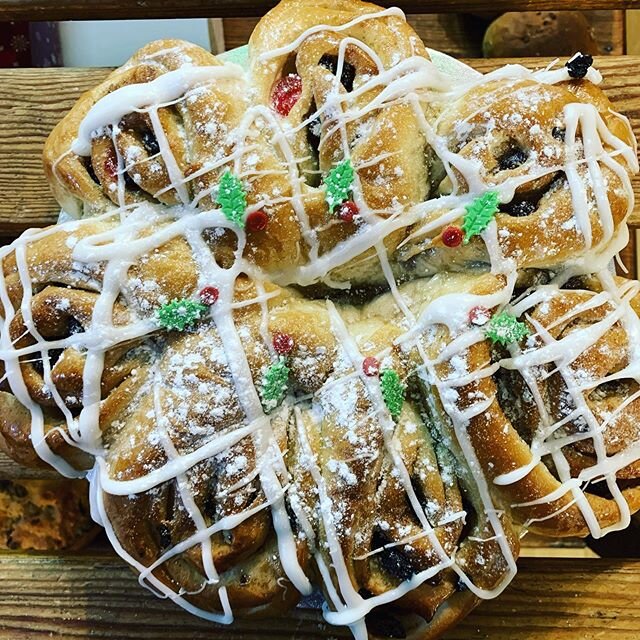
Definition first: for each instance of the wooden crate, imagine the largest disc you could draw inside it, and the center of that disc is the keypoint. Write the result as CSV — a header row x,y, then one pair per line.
x,y
457,34
113,9
94,595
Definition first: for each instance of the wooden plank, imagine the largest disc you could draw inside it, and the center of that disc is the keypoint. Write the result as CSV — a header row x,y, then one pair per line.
x,y
114,9
96,596
216,35
633,32
459,34
14,471
609,30
237,30
33,101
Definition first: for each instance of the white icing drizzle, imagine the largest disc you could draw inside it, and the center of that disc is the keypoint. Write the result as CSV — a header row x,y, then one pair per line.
x,y
560,354
275,53
171,85
146,228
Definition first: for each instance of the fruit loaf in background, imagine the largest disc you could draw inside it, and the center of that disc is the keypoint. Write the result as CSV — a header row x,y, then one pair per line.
x,y
42,514
539,33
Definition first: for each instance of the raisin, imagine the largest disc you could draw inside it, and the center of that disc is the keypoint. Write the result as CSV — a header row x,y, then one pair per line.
x,y
74,327
165,535
392,560
579,65
150,142
385,626
512,159
348,74
519,209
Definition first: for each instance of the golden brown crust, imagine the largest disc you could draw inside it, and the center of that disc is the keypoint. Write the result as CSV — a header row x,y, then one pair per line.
x,y
514,130
240,442
69,175
151,523
502,434
391,37
206,124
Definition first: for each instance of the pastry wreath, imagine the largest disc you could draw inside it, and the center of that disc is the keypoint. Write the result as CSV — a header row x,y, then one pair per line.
x,y
339,321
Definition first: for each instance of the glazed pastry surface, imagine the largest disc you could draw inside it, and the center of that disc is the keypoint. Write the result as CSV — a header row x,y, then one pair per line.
x,y
337,322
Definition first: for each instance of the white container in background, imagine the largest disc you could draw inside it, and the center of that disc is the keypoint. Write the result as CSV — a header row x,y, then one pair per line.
x,y
109,43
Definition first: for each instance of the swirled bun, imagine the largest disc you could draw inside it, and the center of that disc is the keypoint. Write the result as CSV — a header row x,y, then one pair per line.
x,y
336,322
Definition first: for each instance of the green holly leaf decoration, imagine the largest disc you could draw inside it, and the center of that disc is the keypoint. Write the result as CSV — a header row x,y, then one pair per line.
x,y
338,184
392,391
177,315
505,329
232,198
479,214
274,385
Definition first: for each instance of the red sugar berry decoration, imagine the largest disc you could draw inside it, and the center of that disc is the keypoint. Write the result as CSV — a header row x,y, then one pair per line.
x,y
479,316
257,221
371,366
452,236
286,92
209,295
283,343
111,165
348,211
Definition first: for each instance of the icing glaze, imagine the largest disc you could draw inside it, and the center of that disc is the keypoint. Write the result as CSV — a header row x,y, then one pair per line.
x,y
144,228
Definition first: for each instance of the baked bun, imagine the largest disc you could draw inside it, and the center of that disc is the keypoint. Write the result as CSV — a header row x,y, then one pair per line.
x,y
185,484
574,397
540,392
556,155
300,352
173,120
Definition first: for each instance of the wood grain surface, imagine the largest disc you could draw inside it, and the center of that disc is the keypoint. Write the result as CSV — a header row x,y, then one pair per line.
x,y
97,596
459,34
112,9
14,471
32,101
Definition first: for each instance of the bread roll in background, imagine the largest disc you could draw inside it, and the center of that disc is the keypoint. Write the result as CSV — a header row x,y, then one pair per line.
x,y
539,33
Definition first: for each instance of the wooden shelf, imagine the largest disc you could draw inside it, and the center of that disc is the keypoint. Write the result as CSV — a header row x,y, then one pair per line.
x,y
32,101
14,471
97,596
460,34
113,9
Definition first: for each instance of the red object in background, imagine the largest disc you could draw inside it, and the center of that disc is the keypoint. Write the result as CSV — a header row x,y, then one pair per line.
x,y
15,44
29,44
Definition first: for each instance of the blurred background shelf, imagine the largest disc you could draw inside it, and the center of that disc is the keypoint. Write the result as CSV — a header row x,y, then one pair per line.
x,y
97,596
563,591
110,9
